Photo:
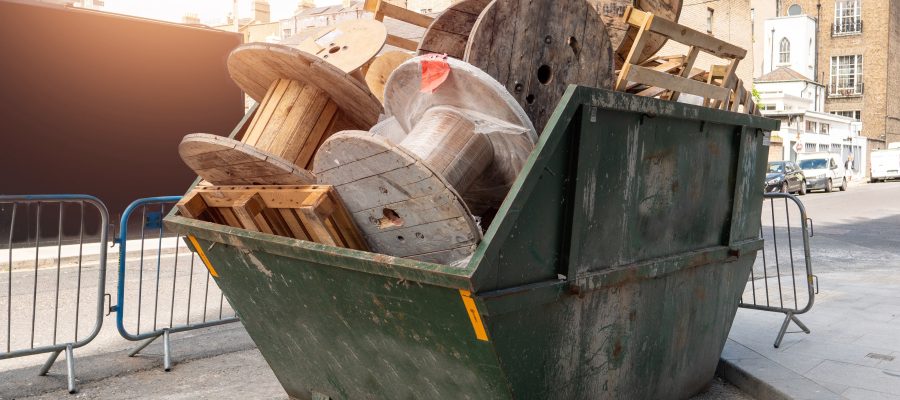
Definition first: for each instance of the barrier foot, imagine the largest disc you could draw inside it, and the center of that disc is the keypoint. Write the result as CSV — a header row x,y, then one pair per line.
x,y
49,363
141,346
787,321
167,355
70,368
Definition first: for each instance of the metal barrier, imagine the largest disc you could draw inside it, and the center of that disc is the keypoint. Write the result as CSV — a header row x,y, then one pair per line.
x,y
165,252
28,215
776,284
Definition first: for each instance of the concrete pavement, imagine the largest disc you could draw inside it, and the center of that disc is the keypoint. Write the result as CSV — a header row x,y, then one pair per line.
x,y
853,351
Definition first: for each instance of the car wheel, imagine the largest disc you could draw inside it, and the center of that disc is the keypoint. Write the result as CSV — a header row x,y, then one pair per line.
x,y
784,187
802,188
844,185
828,186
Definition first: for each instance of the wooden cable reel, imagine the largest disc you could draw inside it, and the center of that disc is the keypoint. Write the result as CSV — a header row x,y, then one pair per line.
x,y
450,31
622,36
348,45
536,48
408,198
303,100
380,70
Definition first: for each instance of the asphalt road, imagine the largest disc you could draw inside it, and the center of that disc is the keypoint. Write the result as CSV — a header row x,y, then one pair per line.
x,y
856,229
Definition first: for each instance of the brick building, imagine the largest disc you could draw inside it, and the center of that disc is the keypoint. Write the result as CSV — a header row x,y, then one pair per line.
x,y
858,60
728,20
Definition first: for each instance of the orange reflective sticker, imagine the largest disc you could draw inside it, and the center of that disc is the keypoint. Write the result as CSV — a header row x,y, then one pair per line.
x,y
474,316
212,271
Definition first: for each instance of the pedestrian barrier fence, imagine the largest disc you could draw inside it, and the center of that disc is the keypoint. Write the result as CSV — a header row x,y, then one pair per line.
x,y
782,279
52,299
165,289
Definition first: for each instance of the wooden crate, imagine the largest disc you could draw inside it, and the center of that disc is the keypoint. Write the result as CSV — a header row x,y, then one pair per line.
x,y
668,76
313,213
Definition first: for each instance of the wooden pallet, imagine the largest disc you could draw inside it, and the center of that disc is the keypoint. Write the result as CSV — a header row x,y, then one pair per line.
x,y
669,76
313,213
383,9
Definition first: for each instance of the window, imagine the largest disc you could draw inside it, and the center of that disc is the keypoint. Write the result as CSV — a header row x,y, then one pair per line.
x,y
824,128
709,20
847,19
811,126
784,52
795,10
285,33
849,114
846,76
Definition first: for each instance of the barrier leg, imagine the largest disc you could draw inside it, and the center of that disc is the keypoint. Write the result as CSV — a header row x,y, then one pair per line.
x,y
70,368
167,355
141,346
800,324
49,363
784,326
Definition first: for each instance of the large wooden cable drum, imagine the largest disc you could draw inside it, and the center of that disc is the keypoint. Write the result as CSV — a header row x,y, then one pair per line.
x,y
408,194
536,48
303,100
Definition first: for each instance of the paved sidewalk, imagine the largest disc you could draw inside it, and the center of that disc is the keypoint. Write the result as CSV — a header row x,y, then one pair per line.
x,y
853,351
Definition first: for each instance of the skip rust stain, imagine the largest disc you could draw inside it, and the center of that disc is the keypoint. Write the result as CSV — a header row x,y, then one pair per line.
x,y
617,349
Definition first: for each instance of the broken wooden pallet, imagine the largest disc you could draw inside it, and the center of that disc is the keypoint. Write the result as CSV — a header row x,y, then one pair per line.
x,y
662,77
312,213
383,9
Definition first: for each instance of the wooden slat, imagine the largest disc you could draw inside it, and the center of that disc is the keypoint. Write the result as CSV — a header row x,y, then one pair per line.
x,y
402,14
402,43
681,84
688,36
192,205
686,68
311,212
642,22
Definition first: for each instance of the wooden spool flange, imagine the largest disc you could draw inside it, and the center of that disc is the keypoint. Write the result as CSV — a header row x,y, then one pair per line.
x,y
536,48
380,70
449,32
406,197
303,100
622,36
349,45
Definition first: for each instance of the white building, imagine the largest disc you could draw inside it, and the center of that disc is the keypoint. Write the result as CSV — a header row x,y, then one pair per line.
x,y
790,42
796,101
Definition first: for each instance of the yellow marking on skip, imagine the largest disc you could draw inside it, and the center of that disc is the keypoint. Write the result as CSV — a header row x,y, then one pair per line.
x,y
212,271
477,324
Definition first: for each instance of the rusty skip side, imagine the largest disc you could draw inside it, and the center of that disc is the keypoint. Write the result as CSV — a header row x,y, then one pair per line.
x,y
612,270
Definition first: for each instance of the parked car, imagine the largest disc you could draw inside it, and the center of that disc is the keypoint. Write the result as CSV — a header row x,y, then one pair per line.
x,y
822,170
885,164
785,177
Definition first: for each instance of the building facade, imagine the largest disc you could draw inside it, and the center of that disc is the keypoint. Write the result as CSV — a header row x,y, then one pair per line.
x,y
728,20
859,48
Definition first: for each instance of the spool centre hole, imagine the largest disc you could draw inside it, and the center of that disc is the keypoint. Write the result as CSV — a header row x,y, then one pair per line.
x,y
391,218
545,74
530,99
334,49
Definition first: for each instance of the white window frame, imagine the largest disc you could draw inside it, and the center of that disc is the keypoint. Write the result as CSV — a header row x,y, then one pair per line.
x,y
847,17
784,51
846,75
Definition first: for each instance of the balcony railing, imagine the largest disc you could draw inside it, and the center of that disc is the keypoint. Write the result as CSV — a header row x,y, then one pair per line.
x,y
845,91
846,27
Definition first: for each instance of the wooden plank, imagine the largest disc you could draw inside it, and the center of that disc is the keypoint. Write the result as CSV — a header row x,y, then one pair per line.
x,y
450,31
687,67
315,222
402,43
681,84
637,49
402,14
192,205
688,36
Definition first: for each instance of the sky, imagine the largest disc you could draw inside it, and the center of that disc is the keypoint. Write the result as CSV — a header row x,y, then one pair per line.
x,y
207,10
